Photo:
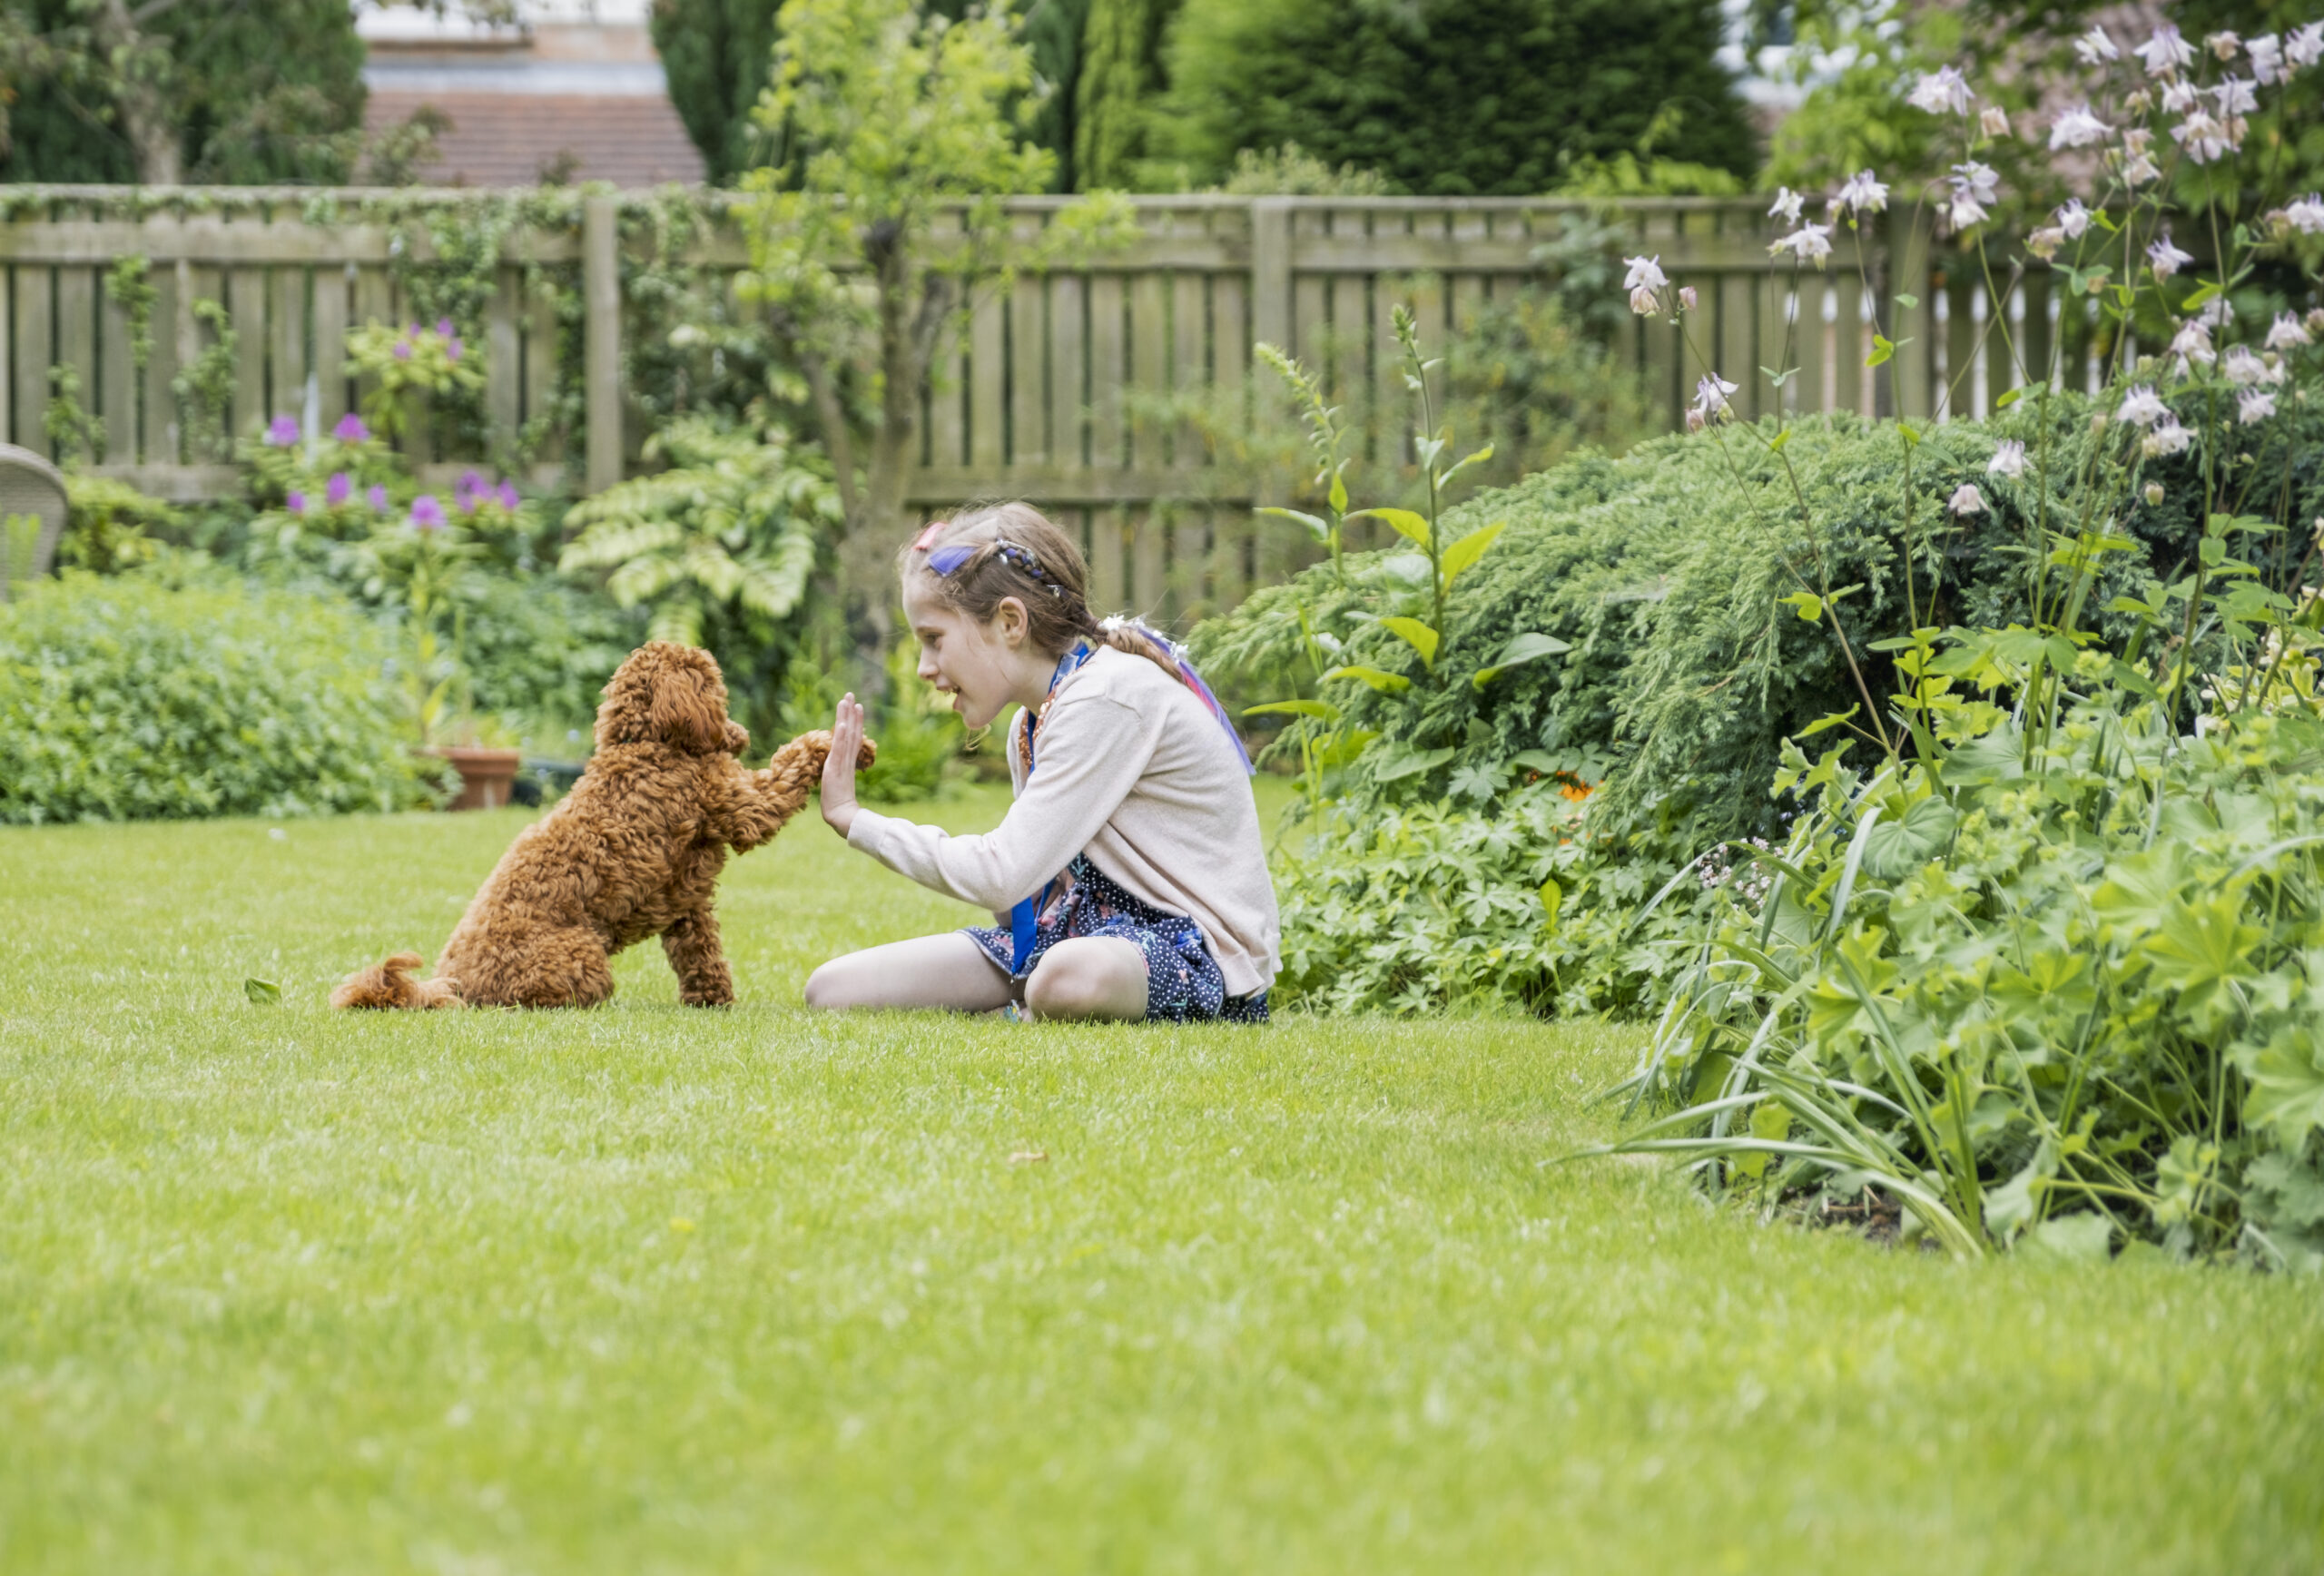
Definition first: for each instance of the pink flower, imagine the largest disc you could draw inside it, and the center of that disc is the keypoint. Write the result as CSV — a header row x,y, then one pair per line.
x,y
335,491
452,349
403,350
507,493
426,513
350,429
296,503
283,431
444,327
376,496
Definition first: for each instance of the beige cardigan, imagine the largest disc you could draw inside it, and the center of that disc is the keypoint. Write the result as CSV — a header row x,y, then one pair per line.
x,y
1135,772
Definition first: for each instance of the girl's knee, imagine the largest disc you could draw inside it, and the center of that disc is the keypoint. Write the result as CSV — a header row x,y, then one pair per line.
x,y
1096,977
827,986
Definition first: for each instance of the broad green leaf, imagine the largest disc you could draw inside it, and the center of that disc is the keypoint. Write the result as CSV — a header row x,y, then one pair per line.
x,y
1882,349
1470,549
1526,647
263,992
1825,725
1405,522
1552,896
2287,1077
1897,848
1324,710
1315,527
1385,683
1782,439
2201,946
1338,496
1414,634
1908,301
2075,1238
1404,761
2008,399
1806,604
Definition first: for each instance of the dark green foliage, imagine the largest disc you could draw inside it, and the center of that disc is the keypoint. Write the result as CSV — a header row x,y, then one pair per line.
x,y
264,91
1122,75
132,699
716,54
1053,31
1450,97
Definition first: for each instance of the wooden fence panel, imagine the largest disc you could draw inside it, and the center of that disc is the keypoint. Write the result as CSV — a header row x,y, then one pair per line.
x,y
76,331
35,347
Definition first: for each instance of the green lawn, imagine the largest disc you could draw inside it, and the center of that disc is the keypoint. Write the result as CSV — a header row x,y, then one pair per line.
x,y
652,1290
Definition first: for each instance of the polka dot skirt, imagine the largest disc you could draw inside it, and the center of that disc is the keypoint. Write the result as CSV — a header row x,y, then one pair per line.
x,y
1183,984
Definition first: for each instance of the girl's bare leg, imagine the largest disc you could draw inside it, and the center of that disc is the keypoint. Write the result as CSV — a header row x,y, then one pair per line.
x,y
1101,977
947,971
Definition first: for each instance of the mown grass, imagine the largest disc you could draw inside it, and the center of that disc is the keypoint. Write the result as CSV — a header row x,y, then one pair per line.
x,y
649,1290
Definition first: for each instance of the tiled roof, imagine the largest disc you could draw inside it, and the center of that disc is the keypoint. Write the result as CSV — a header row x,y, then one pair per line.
x,y
511,139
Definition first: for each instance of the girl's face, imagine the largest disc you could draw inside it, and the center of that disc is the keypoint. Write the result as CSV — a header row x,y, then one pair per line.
x,y
984,667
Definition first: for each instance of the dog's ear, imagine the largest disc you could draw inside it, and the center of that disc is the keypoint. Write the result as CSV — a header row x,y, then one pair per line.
x,y
689,709
738,739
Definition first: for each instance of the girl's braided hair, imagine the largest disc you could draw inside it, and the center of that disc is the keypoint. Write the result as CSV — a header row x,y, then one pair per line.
x,y
988,552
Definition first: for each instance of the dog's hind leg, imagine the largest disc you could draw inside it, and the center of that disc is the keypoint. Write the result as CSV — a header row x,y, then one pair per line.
x,y
696,958
536,966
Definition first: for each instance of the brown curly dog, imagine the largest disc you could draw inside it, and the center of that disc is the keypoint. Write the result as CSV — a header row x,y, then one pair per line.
x,y
633,850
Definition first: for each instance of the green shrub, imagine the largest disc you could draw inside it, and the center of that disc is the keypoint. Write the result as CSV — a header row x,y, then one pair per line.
x,y
1446,97
132,699
1663,570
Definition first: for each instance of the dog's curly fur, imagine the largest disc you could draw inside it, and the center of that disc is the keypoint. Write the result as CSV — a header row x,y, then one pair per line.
x,y
633,850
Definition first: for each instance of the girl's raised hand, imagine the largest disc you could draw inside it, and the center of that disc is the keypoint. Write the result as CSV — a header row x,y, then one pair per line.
x,y
839,766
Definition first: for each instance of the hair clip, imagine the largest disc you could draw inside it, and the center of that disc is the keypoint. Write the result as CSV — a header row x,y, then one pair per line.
x,y
945,560
921,543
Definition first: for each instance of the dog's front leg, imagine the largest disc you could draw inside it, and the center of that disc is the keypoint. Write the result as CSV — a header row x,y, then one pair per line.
x,y
768,798
696,958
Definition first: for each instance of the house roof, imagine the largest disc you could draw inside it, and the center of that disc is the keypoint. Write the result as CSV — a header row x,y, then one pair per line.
x,y
500,137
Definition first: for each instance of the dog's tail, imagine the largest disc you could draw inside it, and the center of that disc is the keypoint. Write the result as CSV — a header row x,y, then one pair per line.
x,y
389,984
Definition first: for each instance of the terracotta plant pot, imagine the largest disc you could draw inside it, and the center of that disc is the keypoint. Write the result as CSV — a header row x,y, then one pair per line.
x,y
485,775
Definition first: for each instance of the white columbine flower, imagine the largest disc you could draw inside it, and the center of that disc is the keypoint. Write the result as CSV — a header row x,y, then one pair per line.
x,y
2165,53
2305,46
1862,194
2073,219
2045,243
2179,97
2217,313
2194,343
1974,186
2235,96
2288,334
2254,406
1809,243
1786,205
2009,460
1644,279
1968,500
1993,122
2143,406
2168,438
2223,44
2243,369
2204,137
2167,258
2267,53
1942,90
2094,46
2307,214
1710,395
2078,128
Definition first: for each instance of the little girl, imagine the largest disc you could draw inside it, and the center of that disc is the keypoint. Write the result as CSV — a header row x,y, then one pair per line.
x,y
1129,868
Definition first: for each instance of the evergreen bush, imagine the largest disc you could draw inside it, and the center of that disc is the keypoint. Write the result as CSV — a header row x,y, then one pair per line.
x,y
133,698
1447,97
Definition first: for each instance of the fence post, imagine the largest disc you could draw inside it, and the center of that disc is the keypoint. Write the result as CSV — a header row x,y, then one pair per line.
x,y
1913,327
1271,271
601,364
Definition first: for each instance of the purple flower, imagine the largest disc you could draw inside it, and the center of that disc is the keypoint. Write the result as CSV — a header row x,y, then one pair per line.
x,y
411,331
444,327
283,431
377,495
403,349
426,513
469,491
507,496
452,351
296,503
350,429
335,491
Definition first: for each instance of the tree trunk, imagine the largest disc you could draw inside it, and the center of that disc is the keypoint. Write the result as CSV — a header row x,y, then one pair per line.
x,y
145,112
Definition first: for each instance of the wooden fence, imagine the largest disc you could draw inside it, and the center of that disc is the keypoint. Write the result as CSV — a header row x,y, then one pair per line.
x,y
1062,388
